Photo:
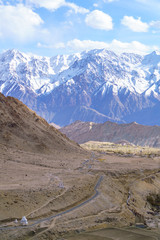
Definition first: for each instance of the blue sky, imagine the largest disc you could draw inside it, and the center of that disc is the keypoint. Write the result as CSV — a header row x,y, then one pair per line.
x,y
51,27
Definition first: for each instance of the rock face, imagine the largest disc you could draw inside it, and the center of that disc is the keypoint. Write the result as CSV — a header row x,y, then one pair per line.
x,y
112,132
97,85
23,129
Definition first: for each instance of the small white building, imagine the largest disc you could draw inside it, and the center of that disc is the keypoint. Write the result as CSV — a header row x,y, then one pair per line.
x,y
16,221
24,221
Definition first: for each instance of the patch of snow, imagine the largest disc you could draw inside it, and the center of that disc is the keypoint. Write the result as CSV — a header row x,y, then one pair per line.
x,y
102,69
70,82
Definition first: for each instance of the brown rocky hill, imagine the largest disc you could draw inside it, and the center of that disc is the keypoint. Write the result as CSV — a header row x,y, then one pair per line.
x,y
112,132
23,129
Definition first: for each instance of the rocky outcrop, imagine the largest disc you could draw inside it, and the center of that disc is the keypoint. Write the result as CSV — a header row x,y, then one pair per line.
x,y
21,128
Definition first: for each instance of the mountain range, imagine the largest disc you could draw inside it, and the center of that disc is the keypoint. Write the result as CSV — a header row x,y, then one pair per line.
x,y
131,133
96,85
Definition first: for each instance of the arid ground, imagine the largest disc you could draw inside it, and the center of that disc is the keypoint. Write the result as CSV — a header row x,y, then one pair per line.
x,y
40,186
67,192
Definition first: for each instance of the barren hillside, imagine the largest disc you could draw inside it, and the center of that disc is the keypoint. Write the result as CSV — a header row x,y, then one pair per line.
x,y
23,129
112,132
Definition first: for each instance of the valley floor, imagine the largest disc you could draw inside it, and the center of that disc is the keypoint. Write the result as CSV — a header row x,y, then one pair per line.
x,y
40,186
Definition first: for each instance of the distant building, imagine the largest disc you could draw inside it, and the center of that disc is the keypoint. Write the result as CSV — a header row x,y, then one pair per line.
x,y
24,221
15,221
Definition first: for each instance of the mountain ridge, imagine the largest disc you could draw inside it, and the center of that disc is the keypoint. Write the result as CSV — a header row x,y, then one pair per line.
x,y
96,85
133,133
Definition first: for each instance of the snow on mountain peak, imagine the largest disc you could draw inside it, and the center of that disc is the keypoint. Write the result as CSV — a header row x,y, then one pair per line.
x,y
99,66
152,59
9,55
156,52
94,84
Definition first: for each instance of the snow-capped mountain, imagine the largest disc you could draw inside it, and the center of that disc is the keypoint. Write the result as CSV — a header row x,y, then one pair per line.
x,y
95,85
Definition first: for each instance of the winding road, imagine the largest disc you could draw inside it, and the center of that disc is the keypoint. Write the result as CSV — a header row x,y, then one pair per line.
x,y
58,214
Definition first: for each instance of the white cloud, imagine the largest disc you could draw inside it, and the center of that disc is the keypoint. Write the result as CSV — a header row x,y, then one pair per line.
x,y
134,46
77,45
19,23
155,24
76,8
53,5
99,20
49,4
136,25
95,5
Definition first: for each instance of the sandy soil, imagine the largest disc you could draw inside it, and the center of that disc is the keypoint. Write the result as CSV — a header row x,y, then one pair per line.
x,y
120,234
30,186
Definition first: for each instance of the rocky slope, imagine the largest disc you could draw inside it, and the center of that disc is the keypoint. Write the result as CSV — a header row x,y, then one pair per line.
x,y
21,128
112,132
97,85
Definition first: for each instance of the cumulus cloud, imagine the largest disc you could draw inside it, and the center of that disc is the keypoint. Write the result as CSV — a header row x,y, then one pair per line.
x,y
77,45
53,5
134,46
19,23
136,25
99,20
76,8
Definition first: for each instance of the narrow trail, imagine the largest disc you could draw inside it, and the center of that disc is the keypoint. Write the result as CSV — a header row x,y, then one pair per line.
x,y
46,203
58,214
